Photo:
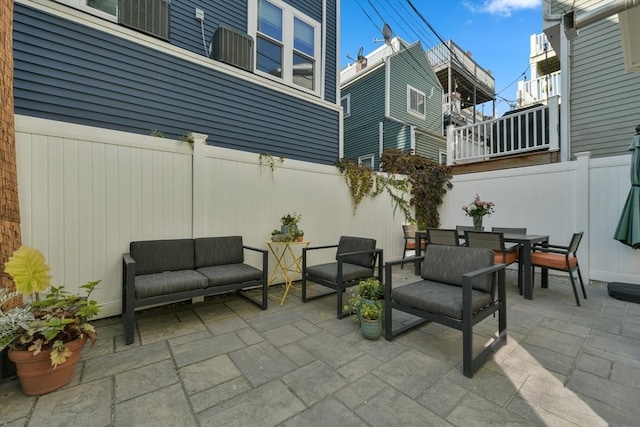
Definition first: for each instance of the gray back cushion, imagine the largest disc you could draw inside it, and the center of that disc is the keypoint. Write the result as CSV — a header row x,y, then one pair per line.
x,y
447,264
156,256
356,244
212,251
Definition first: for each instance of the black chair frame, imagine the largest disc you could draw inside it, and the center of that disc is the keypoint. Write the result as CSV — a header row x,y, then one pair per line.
x,y
339,286
469,319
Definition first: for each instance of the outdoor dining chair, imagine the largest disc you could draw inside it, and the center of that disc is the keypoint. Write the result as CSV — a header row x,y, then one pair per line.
x,y
355,260
461,229
561,258
503,253
409,232
441,236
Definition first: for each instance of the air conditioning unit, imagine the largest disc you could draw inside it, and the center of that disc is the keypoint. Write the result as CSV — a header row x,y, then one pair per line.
x,y
232,47
148,16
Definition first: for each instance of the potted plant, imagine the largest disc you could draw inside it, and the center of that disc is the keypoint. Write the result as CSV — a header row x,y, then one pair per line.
x,y
299,235
46,334
290,223
371,320
368,292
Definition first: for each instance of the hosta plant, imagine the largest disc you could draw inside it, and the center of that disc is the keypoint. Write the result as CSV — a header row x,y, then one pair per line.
x,y
50,317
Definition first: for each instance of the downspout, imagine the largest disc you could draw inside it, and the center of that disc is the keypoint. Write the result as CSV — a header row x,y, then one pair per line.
x,y
600,13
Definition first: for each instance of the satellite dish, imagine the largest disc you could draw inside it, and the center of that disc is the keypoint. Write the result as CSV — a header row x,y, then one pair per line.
x,y
387,33
360,55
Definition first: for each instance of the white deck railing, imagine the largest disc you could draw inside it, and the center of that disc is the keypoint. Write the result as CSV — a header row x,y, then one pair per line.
x,y
538,90
529,130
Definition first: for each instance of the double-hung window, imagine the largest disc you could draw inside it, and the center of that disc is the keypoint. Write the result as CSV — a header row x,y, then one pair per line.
x,y
345,101
415,102
103,8
287,44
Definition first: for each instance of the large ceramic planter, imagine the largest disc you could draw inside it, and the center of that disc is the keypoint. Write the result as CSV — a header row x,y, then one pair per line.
x,y
37,375
371,329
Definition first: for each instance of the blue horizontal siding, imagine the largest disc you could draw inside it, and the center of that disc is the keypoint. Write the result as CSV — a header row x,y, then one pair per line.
x,y
73,73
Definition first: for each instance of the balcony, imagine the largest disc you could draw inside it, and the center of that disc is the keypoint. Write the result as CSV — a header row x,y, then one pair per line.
x,y
538,90
530,130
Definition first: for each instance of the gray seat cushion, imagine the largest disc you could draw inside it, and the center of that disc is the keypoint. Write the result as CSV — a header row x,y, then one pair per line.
x,y
329,272
218,251
230,274
439,298
447,264
168,282
156,256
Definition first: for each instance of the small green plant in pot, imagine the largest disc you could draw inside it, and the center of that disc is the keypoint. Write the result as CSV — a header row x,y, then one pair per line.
x,y
290,223
369,291
47,332
371,320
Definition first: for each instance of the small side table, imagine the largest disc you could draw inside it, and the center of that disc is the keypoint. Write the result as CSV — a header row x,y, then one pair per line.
x,y
288,261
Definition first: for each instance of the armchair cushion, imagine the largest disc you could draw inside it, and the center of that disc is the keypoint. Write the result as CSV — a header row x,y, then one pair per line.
x,y
441,298
218,251
329,272
553,261
447,264
349,244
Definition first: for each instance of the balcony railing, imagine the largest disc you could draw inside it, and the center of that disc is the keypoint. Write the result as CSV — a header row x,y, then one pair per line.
x,y
532,129
538,90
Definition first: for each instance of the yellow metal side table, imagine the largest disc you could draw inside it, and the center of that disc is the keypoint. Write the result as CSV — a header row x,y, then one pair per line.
x,y
288,262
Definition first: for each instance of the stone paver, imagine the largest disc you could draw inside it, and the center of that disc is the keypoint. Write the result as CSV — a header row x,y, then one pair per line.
x,y
226,362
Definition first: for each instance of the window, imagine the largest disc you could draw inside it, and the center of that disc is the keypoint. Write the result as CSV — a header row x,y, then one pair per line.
x,y
345,101
415,101
102,8
442,157
287,44
366,161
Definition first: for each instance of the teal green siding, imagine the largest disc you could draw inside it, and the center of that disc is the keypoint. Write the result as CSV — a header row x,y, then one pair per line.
x,y
411,67
361,128
430,145
396,135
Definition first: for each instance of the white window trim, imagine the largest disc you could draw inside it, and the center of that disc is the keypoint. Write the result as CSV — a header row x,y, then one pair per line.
x,y
370,157
82,5
409,109
442,154
347,111
289,12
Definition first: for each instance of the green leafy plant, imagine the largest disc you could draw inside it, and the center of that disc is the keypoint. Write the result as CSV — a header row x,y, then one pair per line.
x,y
291,218
187,137
43,323
267,160
371,311
363,182
369,291
429,182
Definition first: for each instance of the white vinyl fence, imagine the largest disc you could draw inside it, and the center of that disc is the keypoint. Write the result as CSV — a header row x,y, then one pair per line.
x,y
85,193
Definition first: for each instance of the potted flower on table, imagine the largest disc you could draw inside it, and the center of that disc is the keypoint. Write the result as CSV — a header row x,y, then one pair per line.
x,y
46,334
477,209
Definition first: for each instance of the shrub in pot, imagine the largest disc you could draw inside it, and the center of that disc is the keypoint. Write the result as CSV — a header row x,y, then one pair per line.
x,y
369,291
47,332
371,320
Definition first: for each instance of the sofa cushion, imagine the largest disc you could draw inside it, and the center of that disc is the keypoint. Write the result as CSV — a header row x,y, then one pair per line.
x,y
218,251
439,298
329,272
230,274
447,264
357,244
156,256
168,282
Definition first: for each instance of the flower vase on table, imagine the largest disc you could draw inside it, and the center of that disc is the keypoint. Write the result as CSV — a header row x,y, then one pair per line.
x,y
477,223
477,209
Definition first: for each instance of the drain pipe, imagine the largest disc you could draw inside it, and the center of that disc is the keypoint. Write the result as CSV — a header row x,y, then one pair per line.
x,y
605,11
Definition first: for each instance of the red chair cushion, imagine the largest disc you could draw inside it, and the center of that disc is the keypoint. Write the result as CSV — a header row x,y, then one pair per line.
x,y
553,261
412,245
510,257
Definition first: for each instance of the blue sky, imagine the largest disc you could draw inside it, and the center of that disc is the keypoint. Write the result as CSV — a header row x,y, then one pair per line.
x,y
496,32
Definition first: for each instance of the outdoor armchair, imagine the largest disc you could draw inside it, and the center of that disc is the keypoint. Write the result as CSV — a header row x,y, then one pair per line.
x,y
458,287
562,258
356,259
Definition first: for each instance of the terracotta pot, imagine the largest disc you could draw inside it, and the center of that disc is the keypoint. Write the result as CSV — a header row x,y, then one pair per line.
x,y
299,239
37,375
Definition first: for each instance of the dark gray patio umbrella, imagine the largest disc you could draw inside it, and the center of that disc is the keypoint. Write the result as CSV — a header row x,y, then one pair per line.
x,y
628,231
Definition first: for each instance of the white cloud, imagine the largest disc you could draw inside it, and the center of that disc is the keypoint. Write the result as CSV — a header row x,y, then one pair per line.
x,y
501,7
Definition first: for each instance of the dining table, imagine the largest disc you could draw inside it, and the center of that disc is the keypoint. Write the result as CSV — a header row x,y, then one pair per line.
x,y
526,242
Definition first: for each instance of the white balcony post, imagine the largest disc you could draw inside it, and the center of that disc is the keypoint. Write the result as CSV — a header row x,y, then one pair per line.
x,y
450,145
554,129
